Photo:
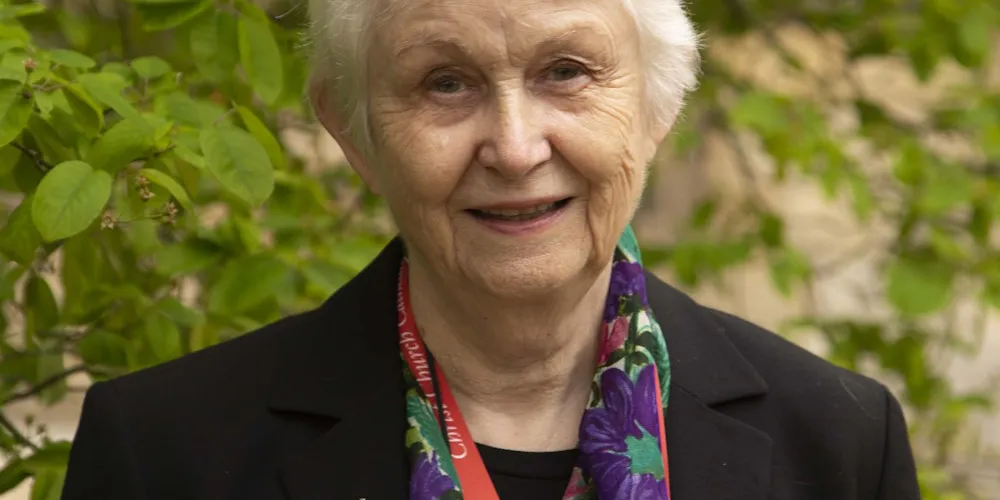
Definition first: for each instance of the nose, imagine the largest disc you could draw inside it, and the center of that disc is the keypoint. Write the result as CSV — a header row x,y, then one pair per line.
x,y
516,142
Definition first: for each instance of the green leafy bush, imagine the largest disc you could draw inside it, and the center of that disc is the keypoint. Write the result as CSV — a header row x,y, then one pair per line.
x,y
145,187
150,209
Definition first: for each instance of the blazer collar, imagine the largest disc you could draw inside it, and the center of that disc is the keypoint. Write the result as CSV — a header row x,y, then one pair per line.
x,y
711,453
343,382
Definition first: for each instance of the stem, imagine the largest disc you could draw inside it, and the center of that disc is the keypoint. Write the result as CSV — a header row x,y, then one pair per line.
x,y
40,162
45,384
21,438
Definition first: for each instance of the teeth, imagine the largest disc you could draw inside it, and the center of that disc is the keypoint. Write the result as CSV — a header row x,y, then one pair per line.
x,y
510,212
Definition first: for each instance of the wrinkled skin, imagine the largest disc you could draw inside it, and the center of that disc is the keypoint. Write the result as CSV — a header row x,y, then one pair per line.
x,y
476,102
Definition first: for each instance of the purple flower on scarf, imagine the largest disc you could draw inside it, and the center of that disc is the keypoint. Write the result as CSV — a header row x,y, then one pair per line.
x,y
428,482
626,280
620,442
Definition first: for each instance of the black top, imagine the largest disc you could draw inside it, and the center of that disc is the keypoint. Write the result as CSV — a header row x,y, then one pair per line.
x,y
312,407
522,475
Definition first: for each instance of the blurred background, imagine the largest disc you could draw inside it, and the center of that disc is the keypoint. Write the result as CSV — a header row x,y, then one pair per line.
x,y
836,178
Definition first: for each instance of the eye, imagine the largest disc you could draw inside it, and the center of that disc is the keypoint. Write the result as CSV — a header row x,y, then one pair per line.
x,y
565,71
445,84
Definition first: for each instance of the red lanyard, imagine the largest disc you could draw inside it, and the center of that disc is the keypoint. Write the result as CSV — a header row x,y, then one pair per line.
x,y
473,478
472,475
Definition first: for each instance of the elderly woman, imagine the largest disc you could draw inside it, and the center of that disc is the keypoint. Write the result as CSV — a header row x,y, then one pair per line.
x,y
509,343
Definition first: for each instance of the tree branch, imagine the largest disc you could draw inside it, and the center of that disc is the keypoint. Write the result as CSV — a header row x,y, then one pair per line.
x,y
21,438
40,162
41,386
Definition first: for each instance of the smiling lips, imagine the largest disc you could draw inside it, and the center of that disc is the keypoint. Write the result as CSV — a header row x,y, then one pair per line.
x,y
521,219
513,212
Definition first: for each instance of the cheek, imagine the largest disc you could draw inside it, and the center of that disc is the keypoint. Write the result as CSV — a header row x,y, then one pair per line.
x,y
417,162
601,143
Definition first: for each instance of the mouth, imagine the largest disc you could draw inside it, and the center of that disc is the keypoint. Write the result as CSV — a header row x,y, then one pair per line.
x,y
520,214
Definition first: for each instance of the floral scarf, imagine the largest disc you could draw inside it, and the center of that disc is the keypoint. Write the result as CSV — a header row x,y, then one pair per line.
x,y
620,454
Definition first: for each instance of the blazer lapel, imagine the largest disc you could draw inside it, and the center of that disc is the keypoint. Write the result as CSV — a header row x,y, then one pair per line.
x,y
712,454
342,395
340,398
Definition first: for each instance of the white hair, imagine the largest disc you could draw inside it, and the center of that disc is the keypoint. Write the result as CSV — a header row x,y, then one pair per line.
x,y
340,34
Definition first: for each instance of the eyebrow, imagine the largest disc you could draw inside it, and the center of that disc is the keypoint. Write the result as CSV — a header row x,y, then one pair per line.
x,y
430,39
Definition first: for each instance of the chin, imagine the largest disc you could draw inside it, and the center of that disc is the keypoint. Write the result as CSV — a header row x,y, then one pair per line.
x,y
531,277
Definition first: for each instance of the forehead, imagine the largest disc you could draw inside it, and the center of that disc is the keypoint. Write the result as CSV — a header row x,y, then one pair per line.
x,y
476,25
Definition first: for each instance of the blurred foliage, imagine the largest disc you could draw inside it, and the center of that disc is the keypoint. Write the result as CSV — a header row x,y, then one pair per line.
x,y
940,209
150,209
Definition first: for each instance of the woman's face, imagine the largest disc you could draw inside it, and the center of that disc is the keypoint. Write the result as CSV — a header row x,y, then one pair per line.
x,y
510,136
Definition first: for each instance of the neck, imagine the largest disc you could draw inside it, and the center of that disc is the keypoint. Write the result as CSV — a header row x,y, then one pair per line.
x,y
520,371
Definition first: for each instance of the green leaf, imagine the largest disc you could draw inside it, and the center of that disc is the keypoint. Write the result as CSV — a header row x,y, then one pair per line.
x,y
15,109
946,246
101,348
25,176
787,268
981,223
185,154
214,45
85,268
165,181
326,277
187,111
85,110
49,468
239,163
924,56
142,234
947,188
54,456
19,239
162,130
71,59
107,89
162,337
187,258
12,66
354,254
179,313
263,135
911,164
53,148
990,141
864,200
10,43
772,230
150,67
14,32
48,485
156,17
704,214
69,199
12,475
119,69
127,140
245,284
761,112
261,58
21,10
51,365
43,313
9,156
975,35
44,103
918,286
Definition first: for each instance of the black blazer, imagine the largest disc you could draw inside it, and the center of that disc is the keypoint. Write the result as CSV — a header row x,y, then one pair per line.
x,y
311,408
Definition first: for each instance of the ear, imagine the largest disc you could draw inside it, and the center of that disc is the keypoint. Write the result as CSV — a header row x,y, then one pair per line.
x,y
330,115
659,129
